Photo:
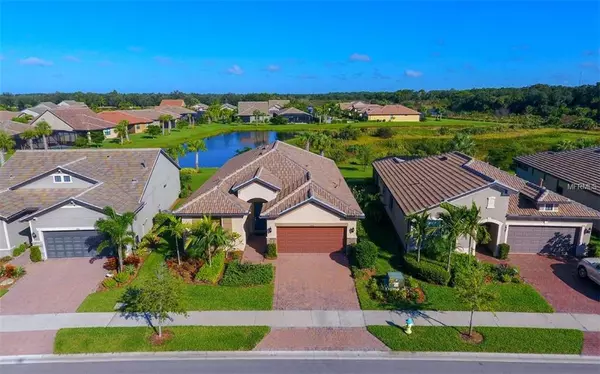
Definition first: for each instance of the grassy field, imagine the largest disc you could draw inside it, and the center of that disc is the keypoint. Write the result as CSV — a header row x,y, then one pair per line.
x,y
3,292
136,339
495,339
196,297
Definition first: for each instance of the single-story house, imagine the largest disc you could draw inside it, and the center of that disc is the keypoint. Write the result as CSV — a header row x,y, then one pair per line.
x,y
69,122
72,104
54,198
39,109
298,199
248,111
573,174
6,115
294,115
393,113
172,102
530,218
228,106
15,129
199,107
136,124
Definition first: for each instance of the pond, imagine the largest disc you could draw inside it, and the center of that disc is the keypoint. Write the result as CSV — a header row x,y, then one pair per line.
x,y
221,148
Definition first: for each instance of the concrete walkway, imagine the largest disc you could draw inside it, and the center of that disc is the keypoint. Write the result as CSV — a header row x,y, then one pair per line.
x,y
314,318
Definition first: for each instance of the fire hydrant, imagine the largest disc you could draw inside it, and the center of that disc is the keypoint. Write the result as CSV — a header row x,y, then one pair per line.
x,y
409,325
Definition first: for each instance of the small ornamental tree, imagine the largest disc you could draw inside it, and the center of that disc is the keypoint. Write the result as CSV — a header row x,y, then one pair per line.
x,y
153,131
473,291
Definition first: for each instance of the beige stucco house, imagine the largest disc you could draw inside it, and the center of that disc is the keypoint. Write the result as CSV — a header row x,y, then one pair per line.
x,y
530,218
296,199
392,113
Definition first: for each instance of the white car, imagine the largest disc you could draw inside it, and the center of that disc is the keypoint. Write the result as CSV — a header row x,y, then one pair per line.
x,y
590,268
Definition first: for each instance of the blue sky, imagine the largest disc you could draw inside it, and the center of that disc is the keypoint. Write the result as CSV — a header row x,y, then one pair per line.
x,y
295,46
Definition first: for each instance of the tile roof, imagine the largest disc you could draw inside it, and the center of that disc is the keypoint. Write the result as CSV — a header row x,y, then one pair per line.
x,y
581,166
73,103
175,110
172,102
81,118
228,106
393,110
299,174
424,183
247,108
14,128
118,178
6,115
116,117
291,110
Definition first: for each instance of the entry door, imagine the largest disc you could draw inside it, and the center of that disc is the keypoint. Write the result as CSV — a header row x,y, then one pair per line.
x,y
260,224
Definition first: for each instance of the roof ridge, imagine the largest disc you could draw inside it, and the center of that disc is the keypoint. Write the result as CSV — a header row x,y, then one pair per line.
x,y
299,188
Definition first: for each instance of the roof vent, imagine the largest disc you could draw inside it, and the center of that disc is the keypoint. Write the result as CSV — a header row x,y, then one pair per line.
x,y
11,176
134,180
397,160
143,164
443,158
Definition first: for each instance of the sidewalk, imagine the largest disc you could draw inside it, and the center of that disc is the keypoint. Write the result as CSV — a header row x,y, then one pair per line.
x,y
308,318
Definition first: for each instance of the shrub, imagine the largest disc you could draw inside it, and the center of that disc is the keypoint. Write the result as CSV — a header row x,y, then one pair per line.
x,y
365,252
337,154
361,233
271,253
2,271
121,277
211,274
503,250
132,260
348,133
19,250
111,264
129,269
237,274
5,259
109,283
374,290
35,254
426,270
9,270
593,250
235,255
385,132
19,272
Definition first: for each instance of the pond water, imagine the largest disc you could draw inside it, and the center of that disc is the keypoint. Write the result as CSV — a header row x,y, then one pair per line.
x,y
221,148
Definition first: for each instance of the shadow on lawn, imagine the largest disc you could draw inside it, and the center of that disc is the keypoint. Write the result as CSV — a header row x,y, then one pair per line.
x,y
418,314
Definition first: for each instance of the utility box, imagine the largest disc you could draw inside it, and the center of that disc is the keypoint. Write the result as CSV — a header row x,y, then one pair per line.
x,y
394,280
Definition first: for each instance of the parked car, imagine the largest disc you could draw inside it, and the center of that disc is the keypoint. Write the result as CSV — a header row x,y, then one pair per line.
x,y
590,268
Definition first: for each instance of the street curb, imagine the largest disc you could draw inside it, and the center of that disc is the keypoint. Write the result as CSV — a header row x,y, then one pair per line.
x,y
300,355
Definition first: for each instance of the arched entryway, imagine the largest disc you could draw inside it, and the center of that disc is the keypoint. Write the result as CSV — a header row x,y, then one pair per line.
x,y
258,226
493,228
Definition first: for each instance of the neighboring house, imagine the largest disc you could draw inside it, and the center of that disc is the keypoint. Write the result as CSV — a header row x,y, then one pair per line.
x,y
6,115
298,199
173,102
199,107
530,218
72,104
353,105
248,109
177,112
136,124
392,113
54,198
294,115
228,107
39,109
573,174
153,115
15,129
69,122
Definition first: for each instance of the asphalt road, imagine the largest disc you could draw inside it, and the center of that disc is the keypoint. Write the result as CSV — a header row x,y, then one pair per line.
x,y
287,366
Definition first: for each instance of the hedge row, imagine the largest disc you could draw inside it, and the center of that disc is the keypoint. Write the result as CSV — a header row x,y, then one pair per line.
x,y
426,270
212,273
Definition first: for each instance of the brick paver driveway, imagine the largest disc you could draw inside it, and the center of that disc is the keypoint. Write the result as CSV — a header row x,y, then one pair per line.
x,y
314,281
557,281
320,339
53,286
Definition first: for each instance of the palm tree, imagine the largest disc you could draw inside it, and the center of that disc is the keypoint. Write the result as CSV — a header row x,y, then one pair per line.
x,y
306,137
29,135
165,118
197,146
206,238
452,225
125,124
7,143
172,226
176,151
121,130
214,112
472,227
321,142
419,230
43,129
463,143
117,231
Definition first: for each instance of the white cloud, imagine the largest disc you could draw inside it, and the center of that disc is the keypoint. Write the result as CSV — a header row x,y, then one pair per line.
x,y
359,57
163,60
72,58
235,70
273,68
413,73
135,49
35,61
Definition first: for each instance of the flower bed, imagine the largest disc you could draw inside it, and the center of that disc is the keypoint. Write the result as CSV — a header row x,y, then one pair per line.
x,y
9,274
131,267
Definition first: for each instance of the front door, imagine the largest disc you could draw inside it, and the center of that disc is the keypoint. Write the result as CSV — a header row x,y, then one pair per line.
x,y
260,224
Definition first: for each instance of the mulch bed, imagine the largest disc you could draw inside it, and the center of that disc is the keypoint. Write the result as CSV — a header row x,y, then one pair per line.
x,y
159,340
475,338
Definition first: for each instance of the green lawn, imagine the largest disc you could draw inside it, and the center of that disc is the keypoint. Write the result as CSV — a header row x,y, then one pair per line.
x,y
3,292
136,339
196,297
202,176
495,339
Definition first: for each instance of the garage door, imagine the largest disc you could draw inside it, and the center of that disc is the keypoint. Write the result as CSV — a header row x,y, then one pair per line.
x,y
310,239
528,239
60,244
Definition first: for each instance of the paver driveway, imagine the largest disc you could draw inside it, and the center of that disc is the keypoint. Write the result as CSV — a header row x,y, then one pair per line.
x,y
53,286
557,281
314,281
320,339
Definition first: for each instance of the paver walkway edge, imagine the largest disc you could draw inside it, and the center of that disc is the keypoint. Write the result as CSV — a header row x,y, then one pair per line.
x,y
305,318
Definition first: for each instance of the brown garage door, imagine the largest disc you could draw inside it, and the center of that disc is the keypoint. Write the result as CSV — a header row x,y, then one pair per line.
x,y
310,239
555,240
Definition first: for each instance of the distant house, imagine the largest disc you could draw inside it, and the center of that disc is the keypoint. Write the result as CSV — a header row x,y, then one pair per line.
x,y
173,102
199,107
248,111
69,122
15,129
39,109
136,124
295,115
72,104
228,106
393,113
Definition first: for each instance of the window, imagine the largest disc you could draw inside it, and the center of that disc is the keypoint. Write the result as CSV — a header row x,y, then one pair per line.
x,y
549,207
107,132
491,202
62,178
